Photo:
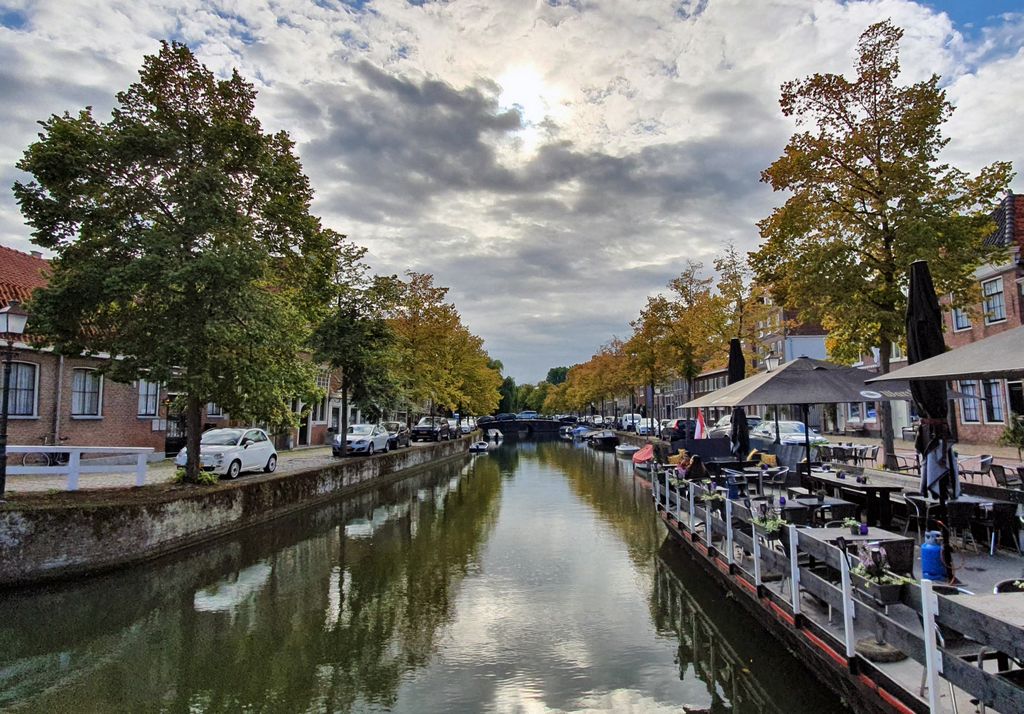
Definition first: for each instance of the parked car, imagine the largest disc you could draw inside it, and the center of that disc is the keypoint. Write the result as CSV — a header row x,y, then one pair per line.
x,y
629,421
723,427
527,414
482,420
466,426
362,439
398,434
678,429
228,452
790,432
504,416
646,427
567,419
431,429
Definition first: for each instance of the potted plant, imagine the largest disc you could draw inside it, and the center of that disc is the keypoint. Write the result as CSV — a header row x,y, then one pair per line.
x,y
853,524
871,575
714,501
821,495
769,525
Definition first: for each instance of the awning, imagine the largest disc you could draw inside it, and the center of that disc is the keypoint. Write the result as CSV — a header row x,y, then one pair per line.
x,y
998,357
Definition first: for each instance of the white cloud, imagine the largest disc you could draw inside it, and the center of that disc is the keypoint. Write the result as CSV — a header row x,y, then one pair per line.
x,y
644,127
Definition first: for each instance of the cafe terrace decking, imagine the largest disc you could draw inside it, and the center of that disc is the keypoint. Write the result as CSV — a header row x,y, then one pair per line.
x,y
971,652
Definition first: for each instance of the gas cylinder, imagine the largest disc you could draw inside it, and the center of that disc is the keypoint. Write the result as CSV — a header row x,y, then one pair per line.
x,y
931,557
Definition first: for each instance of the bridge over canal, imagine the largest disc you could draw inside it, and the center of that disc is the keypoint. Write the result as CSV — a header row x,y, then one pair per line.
x,y
524,428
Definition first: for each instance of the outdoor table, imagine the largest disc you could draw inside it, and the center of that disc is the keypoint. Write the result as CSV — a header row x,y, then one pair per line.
x,y
899,549
815,505
1008,609
876,494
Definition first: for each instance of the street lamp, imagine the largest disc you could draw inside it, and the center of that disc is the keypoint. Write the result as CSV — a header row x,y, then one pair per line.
x,y
12,325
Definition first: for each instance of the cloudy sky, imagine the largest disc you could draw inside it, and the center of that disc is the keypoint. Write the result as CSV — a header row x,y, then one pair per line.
x,y
553,162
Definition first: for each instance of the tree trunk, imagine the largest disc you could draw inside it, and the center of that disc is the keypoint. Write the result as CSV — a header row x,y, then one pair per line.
x,y
885,407
344,415
193,432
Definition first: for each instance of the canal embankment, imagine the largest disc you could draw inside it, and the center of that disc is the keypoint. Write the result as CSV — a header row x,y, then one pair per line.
x,y
56,536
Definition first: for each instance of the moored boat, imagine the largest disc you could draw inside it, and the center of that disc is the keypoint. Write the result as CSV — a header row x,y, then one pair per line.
x,y
603,439
626,450
478,446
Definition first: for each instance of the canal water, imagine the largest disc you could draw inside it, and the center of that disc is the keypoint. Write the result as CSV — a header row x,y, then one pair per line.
x,y
533,578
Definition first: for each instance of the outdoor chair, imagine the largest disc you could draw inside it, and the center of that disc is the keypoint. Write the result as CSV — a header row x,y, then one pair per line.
x,y
901,464
959,517
871,458
999,474
777,478
826,453
1016,481
920,511
998,518
984,467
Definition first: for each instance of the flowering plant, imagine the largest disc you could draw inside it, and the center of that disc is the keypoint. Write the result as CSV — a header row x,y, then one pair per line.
x,y
873,566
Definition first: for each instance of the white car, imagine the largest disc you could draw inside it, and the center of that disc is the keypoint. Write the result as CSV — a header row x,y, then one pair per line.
x,y
790,432
228,452
363,439
646,427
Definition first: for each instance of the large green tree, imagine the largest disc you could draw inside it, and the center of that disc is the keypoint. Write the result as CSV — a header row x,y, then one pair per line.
x,y
868,196
183,243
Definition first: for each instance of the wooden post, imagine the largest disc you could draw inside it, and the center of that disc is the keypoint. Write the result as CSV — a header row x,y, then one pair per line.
x,y
728,532
74,462
849,636
794,570
929,606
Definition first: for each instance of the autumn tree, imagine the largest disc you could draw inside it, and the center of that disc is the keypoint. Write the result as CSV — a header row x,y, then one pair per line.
x,y
868,196
182,242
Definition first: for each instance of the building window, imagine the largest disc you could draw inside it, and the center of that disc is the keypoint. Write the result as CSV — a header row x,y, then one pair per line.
x,y
319,411
22,400
969,407
214,411
855,411
961,321
896,351
86,393
870,411
993,303
1015,390
993,401
149,398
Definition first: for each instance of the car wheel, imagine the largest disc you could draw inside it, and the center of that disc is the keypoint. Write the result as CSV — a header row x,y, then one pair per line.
x,y
271,466
234,469
387,446
369,449
438,437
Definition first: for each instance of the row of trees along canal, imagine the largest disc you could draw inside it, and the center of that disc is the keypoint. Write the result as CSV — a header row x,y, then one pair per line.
x,y
184,245
868,195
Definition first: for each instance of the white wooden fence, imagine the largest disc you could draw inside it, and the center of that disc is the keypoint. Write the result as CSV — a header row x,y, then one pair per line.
x,y
75,467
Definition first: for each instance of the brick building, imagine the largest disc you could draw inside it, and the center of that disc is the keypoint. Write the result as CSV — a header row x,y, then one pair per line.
x,y
1001,308
65,400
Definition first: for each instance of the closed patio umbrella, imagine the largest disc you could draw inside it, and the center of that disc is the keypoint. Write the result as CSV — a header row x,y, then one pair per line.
x,y
739,434
924,340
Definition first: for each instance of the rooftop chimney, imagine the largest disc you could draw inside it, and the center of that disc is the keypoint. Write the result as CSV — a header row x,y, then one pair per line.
x,y
36,254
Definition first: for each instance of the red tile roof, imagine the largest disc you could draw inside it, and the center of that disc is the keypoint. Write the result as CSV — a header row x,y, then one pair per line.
x,y
20,274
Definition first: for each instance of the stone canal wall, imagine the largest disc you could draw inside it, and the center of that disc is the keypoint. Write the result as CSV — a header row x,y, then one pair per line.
x,y
51,539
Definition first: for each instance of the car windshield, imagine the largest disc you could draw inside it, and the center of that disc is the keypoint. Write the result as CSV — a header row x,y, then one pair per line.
x,y
360,429
392,425
221,437
429,421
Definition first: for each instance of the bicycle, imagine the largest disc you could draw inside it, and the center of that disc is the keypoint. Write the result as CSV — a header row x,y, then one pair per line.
x,y
45,458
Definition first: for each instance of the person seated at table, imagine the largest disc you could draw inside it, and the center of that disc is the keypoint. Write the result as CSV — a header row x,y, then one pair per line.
x,y
697,471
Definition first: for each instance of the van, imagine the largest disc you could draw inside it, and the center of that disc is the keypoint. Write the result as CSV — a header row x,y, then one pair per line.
x,y
629,421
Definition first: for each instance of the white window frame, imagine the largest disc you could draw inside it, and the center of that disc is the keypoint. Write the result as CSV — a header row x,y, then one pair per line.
x,y
92,372
34,414
144,398
214,411
957,314
970,386
869,419
855,411
985,296
994,399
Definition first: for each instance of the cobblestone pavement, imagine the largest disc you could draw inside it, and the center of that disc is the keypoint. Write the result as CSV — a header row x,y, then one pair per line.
x,y
162,472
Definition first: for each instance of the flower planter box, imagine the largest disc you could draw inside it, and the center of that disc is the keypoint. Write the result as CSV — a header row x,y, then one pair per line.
x,y
774,535
882,594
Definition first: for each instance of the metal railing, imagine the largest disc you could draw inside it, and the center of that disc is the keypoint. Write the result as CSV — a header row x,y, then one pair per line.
x,y
683,504
75,465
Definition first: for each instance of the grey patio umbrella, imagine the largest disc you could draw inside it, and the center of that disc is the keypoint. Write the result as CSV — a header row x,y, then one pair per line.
x,y
739,435
924,340
999,356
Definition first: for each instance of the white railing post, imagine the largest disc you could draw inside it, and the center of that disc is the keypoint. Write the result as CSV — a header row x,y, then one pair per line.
x,y
140,469
74,461
794,569
929,606
728,532
657,496
757,556
679,507
668,494
708,522
848,633
693,515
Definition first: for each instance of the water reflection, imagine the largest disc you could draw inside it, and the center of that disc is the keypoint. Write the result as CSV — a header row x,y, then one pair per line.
x,y
534,577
